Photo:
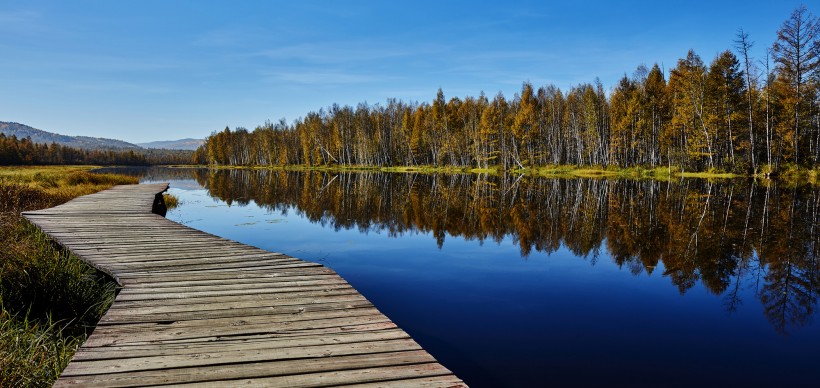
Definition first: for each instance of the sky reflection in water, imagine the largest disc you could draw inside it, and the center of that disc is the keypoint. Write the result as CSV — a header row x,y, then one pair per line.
x,y
731,297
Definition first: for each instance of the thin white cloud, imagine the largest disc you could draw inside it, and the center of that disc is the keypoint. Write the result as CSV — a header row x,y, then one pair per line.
x,y
22,23
83,62
19,18
222,38
325,77
124,86
88,85
116,64
330,53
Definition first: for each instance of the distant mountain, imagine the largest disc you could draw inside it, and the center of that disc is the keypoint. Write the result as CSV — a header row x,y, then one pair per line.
x,y
182,144
39,136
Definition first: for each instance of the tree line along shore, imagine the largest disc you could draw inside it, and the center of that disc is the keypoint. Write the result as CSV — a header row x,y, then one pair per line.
x,y
736,114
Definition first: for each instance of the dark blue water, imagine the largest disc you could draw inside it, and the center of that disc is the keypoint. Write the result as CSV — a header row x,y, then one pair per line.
x,y
533,282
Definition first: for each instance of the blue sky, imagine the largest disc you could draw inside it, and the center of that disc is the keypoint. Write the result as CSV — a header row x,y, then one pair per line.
x,y
161,70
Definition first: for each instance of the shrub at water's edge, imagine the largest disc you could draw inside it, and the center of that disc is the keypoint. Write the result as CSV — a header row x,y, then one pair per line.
x,y
49,299
171,201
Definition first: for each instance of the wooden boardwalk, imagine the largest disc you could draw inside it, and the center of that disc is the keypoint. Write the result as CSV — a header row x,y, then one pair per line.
x,y
197,309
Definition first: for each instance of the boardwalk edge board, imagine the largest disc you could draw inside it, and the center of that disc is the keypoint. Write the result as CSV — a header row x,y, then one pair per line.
x,y
195,308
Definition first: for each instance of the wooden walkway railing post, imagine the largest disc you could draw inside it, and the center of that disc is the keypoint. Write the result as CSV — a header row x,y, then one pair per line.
x,y
199,309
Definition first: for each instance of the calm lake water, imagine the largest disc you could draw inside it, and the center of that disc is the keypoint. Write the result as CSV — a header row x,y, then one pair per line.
x,y
521,281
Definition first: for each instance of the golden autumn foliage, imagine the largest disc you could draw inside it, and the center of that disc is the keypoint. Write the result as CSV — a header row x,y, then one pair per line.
x,y
728,115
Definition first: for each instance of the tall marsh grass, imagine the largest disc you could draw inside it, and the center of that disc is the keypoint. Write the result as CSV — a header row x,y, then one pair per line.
x,y
171,201
33,352
49,299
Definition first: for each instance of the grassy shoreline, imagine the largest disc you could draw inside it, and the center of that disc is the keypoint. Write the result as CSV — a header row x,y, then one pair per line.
x,y
49,299
787,173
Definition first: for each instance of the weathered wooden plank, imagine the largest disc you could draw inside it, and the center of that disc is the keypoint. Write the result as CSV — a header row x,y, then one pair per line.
x,y
128,296
222,356
188,258
335,378
137,240
147,279
167,248
148,283
444,381
231,300
162,261
174,288
221,373
255,267
272,321
198,308
138,315
234,344
302,333
292,328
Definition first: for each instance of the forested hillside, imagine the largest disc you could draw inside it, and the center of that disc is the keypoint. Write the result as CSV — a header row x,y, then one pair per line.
x,y
22,131
736,113
14,151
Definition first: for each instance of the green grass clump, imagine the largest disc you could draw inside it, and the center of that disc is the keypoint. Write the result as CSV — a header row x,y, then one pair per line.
x,y
49,299
790,174
49,284
49,302
32,353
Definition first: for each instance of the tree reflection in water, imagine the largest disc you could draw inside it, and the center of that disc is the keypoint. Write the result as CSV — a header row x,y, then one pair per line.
x,y
729,236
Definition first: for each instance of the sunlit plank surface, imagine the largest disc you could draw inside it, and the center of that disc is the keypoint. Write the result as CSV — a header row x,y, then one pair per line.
x,y
199,309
